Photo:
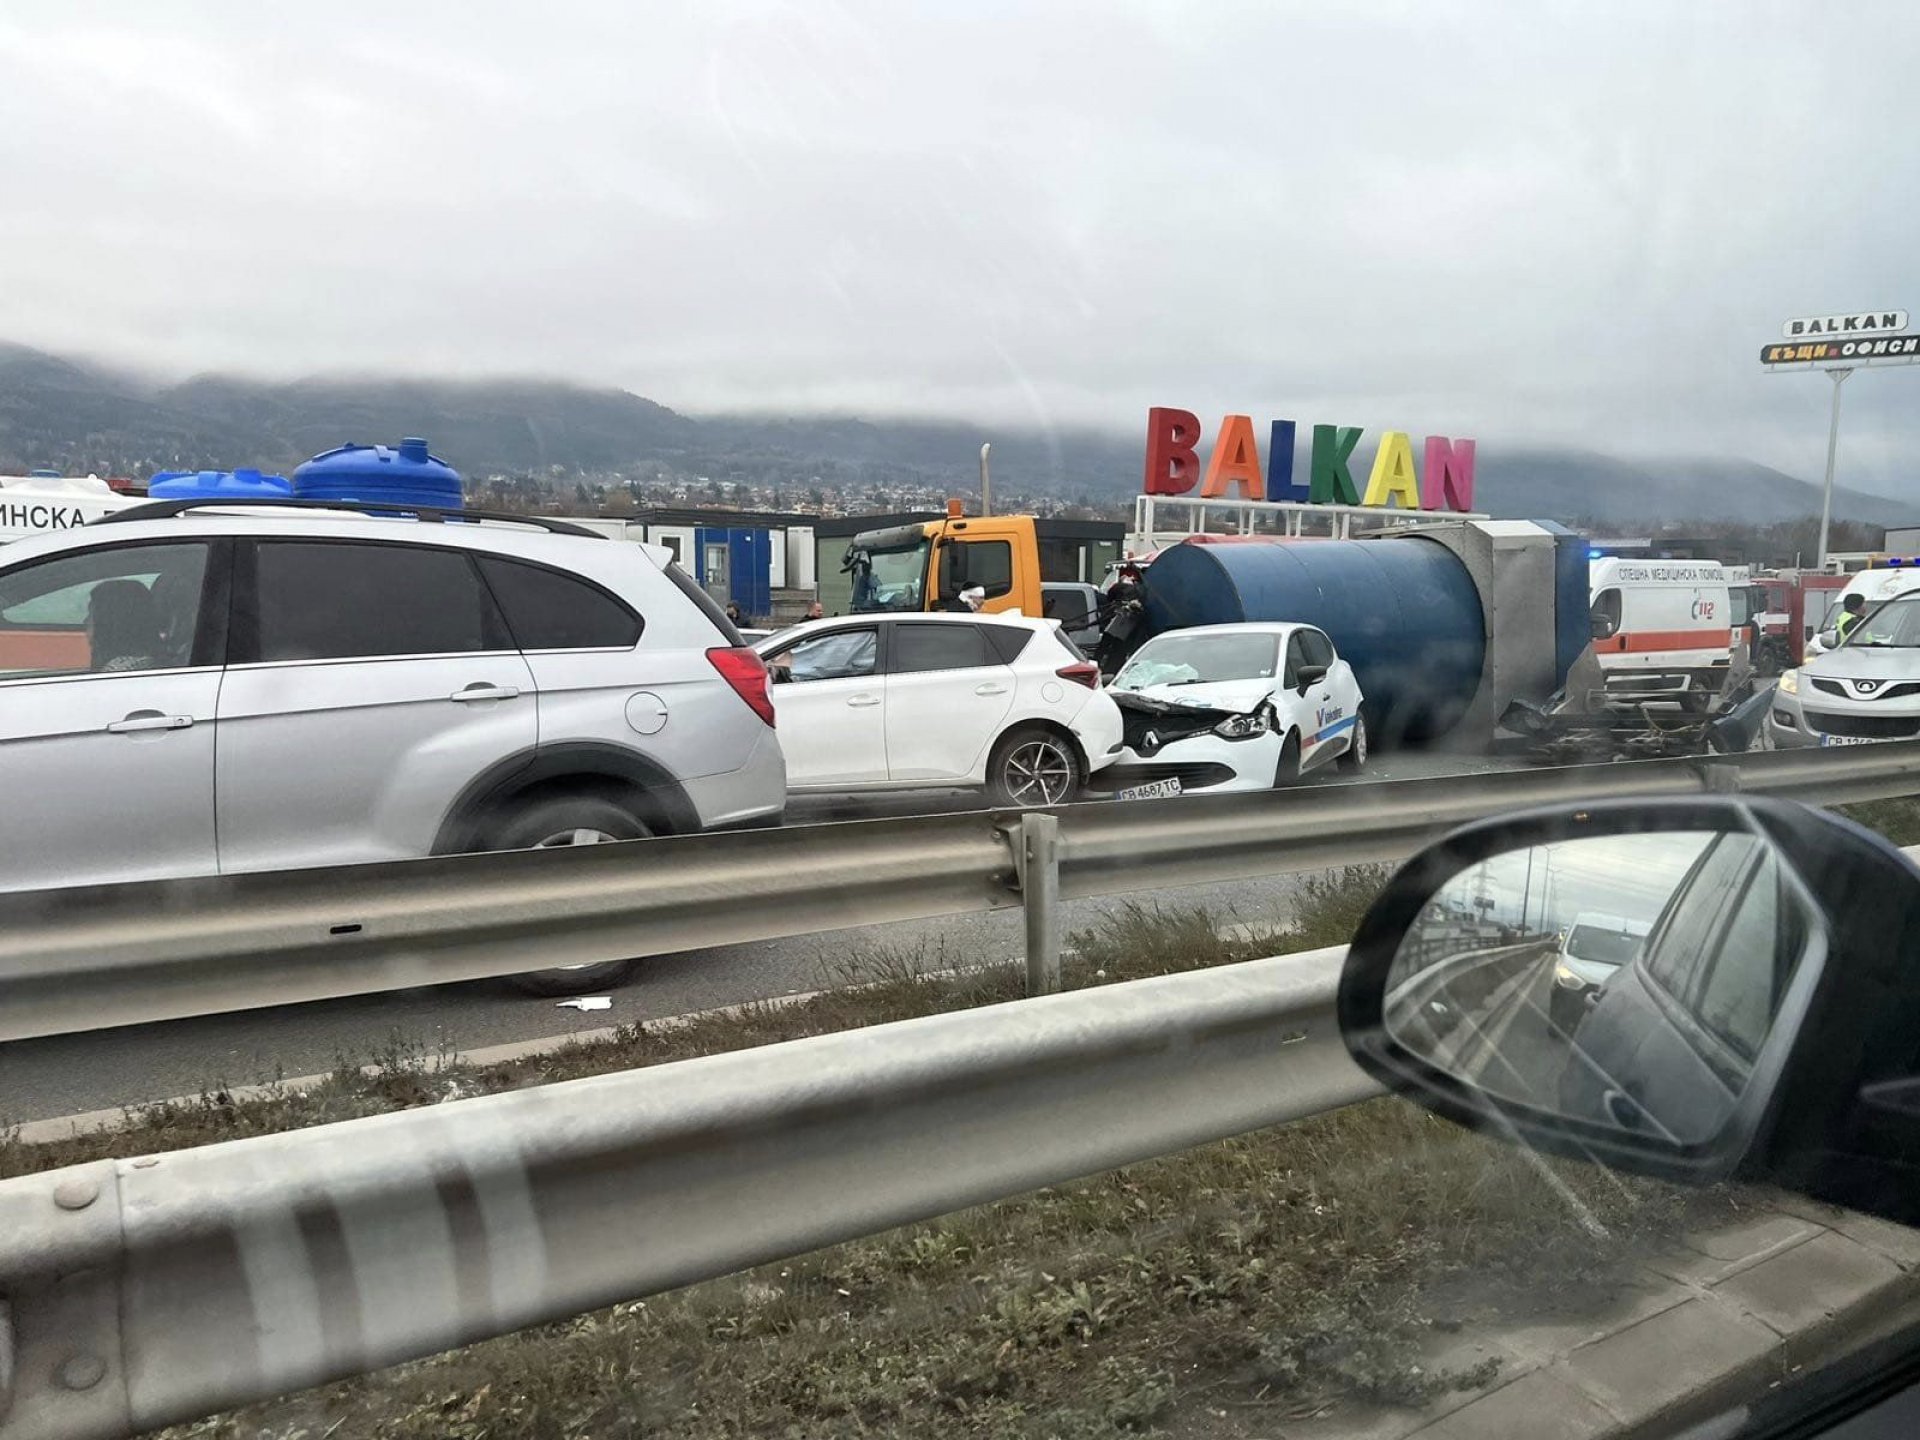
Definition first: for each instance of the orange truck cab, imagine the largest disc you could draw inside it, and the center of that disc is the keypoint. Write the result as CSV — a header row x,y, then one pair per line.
x,y
926,566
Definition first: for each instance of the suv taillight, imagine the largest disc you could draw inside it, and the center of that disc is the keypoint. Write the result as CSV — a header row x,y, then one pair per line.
x,y
746,672
1083,672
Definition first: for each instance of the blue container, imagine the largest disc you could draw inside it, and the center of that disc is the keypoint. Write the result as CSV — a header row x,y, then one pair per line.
x,y
217,485
1402,612
378,475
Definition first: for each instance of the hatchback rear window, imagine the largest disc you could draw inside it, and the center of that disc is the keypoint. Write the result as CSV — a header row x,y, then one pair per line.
x,y
938,647
1007,641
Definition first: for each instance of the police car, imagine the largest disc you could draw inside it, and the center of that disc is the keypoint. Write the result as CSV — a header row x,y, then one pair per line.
x,y
1234,707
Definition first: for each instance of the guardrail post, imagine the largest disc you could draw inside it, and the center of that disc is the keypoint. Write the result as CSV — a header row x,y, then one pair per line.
x,y
1721,779
1040,895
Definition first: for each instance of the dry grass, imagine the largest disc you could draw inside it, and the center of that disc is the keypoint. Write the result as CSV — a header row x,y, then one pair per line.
x,y
1898,819
1296,1267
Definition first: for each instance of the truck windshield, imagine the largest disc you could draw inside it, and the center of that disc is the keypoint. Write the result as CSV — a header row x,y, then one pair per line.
x,y
890,578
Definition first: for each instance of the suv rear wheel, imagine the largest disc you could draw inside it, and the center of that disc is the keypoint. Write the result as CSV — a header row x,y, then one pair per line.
x,y
550,824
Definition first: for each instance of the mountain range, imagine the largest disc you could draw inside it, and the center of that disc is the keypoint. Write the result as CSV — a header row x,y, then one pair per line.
x,y
78,416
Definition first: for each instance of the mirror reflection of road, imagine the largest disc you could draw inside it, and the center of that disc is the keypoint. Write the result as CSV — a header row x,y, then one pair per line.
x,y
1482,1015
1510,1048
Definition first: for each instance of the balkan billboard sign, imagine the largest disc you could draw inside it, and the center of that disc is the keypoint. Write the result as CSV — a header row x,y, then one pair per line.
x,y
1865,322
1234,471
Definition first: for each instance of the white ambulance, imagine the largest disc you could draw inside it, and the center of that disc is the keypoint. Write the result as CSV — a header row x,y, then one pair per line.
x,y
36,504
1662,629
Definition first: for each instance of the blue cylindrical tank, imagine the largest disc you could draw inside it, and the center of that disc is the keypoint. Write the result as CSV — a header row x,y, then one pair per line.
x,y
378,474
1403,612
217,485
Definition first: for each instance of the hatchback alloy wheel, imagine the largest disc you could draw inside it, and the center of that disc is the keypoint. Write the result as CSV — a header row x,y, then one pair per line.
x,y
1038,772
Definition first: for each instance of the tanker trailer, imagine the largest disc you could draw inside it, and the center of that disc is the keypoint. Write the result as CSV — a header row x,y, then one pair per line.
x,y
1444,624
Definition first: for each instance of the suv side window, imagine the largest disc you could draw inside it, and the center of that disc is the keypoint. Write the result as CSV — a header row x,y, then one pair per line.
x,y
547,610
343,600
129,607
917,648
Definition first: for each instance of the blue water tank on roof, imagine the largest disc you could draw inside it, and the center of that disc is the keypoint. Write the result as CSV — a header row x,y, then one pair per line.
x,y
217,485
380,475
1403,612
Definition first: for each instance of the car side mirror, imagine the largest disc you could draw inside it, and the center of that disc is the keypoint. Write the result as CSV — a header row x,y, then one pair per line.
x,y
1602,628
1692,989
1305,675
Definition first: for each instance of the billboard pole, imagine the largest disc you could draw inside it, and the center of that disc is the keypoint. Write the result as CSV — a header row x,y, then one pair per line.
x,y
1862,339
1839,374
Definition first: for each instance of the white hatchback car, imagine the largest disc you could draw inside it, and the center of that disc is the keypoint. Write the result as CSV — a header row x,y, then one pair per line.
x,y
1235,707
923,701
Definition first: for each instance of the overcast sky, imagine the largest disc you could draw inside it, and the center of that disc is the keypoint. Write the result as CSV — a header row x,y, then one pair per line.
x,y
1624,875
1520,222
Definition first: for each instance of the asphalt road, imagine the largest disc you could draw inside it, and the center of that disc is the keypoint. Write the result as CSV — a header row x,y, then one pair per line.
x,y
63,1075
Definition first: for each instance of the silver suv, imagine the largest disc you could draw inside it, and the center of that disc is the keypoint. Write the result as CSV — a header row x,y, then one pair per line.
x,y
190,688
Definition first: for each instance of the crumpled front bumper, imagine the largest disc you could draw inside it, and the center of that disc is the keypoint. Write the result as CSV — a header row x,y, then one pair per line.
x,y
1205,762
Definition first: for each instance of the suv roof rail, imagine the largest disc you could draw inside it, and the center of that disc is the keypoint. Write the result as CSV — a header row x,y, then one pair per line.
x,y
427,514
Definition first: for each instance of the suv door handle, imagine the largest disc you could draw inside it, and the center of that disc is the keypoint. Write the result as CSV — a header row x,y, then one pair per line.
x,y
486,692
861,702
990,688
140,720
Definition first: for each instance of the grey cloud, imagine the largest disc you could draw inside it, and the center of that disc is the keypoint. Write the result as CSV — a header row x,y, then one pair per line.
x,y
1521,221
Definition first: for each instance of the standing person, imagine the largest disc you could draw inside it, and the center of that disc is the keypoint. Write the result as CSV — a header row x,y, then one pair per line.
x,y
733,614
1119,618
1851,609
816,611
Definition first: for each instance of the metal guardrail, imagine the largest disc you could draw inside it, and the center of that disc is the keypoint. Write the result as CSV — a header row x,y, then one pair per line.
x,y
88,958
141,1292
149,1291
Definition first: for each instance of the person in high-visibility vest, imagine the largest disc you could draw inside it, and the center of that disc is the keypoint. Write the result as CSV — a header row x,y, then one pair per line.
x,y
1851,609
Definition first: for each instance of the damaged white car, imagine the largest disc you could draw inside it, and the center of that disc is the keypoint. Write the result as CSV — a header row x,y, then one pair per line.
x,y
1233,707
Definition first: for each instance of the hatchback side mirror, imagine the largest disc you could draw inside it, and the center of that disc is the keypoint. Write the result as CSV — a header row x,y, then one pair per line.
x,y
1695,989
1305,675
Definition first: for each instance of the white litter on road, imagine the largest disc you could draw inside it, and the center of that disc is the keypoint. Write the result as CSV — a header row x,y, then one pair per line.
x,y
586,1002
